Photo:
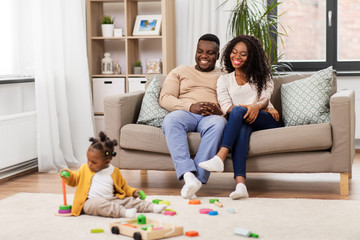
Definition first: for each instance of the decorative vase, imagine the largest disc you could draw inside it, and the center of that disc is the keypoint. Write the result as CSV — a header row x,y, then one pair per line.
x,y
107,30
107,64
137,70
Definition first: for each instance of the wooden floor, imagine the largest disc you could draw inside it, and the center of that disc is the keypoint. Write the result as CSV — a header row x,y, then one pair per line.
x,y
267,185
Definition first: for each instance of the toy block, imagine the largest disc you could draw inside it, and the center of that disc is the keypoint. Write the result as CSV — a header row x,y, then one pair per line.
x,y
170,213
156,201
165,202
142,195
192,233
194,201
230,210
205,210
217,203
97,230
245,232
141,219
129,225
213,213
213,200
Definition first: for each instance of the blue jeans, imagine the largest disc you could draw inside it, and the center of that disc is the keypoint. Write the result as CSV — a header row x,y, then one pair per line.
x,y
237,135
176,125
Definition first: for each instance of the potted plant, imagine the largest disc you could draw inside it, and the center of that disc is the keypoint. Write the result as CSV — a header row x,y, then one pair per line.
x,y
107,26
254,17
138,67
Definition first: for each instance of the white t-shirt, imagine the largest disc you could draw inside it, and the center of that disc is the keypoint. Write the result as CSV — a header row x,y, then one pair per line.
x,y
102,185
229,92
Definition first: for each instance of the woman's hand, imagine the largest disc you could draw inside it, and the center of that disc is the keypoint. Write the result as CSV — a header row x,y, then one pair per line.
x,y
274,113
252,112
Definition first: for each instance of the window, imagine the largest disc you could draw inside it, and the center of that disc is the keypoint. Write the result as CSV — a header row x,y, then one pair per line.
x,y
321,33
17,56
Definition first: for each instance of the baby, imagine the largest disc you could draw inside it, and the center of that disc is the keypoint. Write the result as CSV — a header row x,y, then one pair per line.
x,y
101,189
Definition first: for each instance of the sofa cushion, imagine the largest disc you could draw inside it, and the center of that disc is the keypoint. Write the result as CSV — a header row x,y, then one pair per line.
x,y
151,113
291,139
306,101
279,140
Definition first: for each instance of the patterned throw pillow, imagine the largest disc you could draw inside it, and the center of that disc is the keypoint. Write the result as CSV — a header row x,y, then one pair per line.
x,y
151,113
306,101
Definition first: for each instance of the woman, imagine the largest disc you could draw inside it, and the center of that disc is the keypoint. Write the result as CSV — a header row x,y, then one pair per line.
x,y
244,95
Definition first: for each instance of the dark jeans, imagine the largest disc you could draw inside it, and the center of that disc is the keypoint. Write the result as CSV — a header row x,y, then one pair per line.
x,y
237,135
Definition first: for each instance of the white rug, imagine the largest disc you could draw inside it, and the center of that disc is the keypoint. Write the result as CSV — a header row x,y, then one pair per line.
x,y
32,216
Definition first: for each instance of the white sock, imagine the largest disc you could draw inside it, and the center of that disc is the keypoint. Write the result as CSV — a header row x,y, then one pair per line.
x,y
240,192
158,208
213,165
191,186
130,213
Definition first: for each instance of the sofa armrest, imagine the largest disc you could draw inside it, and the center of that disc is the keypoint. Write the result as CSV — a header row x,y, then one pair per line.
x,y
119,110
342,119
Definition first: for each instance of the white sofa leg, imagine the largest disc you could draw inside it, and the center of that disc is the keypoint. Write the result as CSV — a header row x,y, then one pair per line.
x,y
344,184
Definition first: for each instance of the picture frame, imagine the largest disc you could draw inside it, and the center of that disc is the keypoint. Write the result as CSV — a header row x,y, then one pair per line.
x,y
147,25
153,65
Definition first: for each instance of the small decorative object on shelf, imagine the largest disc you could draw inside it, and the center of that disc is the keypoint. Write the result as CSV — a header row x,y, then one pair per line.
x,y
107,26
138,67
118,32
147,25
107,64
153,65
117,69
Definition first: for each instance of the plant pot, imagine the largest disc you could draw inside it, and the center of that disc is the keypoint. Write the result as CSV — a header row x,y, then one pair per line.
x,y
107,30
137,70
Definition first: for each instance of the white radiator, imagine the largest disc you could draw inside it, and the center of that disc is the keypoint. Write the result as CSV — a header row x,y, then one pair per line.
x,y
18,146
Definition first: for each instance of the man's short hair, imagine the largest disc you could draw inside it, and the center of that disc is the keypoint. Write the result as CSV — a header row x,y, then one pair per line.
x,y
210,37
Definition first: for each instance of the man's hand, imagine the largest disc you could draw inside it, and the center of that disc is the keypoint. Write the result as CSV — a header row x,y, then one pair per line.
x,y
205,109
252,112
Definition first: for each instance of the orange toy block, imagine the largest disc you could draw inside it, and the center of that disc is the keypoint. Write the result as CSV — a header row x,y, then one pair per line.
x,y
194,201
192,233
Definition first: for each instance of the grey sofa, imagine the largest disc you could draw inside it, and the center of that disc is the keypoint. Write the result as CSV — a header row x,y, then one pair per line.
x,y
316,148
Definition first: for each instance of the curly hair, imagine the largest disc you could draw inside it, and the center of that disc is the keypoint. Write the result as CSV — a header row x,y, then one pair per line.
x,y
256,68
104,144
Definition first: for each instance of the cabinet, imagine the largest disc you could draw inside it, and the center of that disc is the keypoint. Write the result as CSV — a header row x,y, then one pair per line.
x,y
127,49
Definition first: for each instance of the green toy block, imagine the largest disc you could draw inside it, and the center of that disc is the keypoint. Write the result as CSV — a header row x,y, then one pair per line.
x,y
142,195
156,201
141,219
97,230
213,200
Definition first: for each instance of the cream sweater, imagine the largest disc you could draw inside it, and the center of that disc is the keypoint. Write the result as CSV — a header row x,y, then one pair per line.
x,y
230,93
185,85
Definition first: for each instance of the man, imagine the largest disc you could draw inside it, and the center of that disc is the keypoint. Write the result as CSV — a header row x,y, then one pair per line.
x,y
189,93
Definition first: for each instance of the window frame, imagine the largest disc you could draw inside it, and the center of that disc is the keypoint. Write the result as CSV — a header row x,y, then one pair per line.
x,y
351,68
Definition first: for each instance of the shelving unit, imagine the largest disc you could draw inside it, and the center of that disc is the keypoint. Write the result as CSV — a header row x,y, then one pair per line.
x,y
128,49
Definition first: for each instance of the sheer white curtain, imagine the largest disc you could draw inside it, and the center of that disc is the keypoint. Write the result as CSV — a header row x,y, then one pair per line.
x,y
63,98
195,18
